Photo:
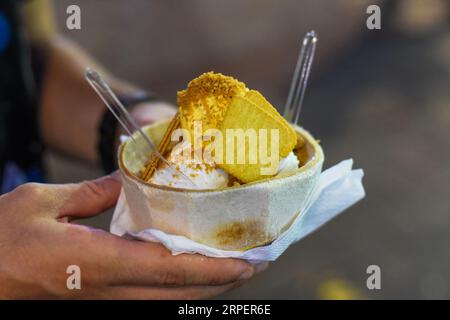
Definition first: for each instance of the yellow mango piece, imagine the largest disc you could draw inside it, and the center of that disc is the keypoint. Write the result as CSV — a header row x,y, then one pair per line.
x,y
257,98
206,99
243,114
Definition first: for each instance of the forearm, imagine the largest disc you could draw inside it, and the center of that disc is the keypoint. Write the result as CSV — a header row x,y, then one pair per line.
x,y
70,111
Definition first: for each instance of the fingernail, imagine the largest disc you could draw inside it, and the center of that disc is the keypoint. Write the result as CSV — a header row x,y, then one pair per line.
x,y
260,267
246,275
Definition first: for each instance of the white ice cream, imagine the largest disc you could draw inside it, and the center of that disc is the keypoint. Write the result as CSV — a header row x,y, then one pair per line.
x,y
290,163
203,176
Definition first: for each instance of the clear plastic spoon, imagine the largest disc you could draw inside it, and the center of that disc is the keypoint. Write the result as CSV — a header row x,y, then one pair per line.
x,y
300,78
125,119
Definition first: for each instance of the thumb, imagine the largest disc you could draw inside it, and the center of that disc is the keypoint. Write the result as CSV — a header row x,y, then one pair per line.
x,y
89,198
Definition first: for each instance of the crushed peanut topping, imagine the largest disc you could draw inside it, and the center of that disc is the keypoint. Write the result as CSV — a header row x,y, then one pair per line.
x,y
207,98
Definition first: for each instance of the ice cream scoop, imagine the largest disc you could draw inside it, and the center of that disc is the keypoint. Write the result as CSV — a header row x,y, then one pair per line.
x,y
288,164
204,176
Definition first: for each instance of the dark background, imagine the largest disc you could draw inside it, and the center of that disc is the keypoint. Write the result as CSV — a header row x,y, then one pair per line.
x,y
380,97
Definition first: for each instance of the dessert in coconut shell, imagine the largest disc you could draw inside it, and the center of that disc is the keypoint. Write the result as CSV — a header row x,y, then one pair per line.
x,y
226,205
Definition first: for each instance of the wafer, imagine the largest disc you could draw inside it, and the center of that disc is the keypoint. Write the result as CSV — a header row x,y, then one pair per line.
x,y
162,148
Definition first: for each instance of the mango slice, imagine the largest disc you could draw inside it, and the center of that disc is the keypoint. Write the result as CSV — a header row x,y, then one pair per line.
x,y
222,102
244,114
258,99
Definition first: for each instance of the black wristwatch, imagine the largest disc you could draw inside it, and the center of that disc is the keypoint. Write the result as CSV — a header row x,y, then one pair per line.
x,y
107,129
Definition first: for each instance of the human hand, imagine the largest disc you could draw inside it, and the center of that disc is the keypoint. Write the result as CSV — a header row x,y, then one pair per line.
x,y
38,243
149,112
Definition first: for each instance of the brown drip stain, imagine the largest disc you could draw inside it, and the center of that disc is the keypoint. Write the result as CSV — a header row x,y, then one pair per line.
x,y
161,206
244,234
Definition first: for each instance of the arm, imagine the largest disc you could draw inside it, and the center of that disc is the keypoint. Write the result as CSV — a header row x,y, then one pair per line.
x,y
70,111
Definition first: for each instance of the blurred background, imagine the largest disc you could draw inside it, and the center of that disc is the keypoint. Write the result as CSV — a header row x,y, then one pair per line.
x,y
380,97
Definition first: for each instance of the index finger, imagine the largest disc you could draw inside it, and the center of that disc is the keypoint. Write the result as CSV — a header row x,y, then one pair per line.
x,y
128,262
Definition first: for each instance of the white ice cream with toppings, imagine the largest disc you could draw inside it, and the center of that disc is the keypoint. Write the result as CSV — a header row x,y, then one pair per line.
x,y
202,176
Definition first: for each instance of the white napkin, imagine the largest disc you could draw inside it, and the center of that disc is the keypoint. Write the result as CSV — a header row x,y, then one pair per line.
x,y
339,187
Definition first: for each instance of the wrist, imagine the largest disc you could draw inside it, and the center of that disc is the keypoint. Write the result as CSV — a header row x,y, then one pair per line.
x,y
109,131
149,112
